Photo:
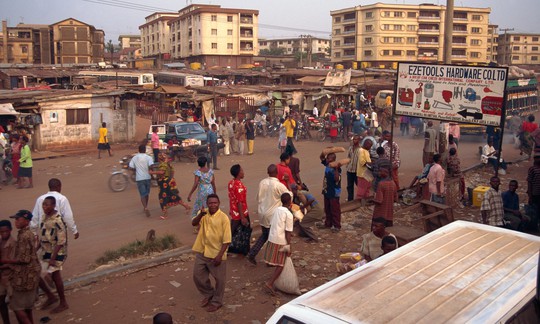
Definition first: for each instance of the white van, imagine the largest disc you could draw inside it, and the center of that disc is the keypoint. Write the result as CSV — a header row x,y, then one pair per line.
x,y
461,273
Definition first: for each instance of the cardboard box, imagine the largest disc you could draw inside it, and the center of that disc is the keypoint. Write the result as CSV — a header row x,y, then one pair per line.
x,y
478,195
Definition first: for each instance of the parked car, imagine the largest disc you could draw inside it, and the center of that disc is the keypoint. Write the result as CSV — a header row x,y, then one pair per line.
x,y
183,131
380,98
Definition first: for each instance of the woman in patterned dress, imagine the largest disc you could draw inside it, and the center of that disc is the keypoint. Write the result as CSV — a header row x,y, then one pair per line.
x,y
169,195
204,181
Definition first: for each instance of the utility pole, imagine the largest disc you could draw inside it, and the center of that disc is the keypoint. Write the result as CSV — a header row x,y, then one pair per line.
x,y
301,45
448,31
507,53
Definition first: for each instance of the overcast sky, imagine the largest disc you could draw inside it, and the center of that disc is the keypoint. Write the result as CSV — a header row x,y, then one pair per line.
x,y
277,18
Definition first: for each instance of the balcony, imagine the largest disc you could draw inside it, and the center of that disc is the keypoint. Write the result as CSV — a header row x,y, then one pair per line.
x,y
429,18
349,44
429,31
428,44
459,31
459,44
427,58
246,35
246,20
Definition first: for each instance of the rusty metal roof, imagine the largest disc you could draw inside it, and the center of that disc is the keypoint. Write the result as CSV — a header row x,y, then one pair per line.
x,y
37,73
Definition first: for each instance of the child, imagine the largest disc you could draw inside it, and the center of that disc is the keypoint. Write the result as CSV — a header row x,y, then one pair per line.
x,y
53,241
25,267
282,139
7,250
331,192
204,182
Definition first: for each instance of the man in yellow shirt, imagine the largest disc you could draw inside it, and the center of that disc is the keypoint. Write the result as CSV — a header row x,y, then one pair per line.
x,y
290,125
364,175
210,247
103,142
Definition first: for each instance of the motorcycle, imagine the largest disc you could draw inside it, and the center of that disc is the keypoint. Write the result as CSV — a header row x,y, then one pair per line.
x,y
7,168
302,132
323,130
273,130
120,179
259,129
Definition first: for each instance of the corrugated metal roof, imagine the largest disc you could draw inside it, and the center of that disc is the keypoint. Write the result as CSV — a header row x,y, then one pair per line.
x,y
38,73
464,272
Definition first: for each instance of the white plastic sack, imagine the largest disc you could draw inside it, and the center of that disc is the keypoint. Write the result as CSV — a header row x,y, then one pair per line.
x,y
517,141
287,282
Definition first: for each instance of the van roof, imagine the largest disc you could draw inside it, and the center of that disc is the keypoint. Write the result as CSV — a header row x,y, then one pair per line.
x,y
462,272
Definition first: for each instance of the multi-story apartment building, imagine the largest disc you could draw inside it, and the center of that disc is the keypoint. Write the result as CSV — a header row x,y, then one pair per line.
x,y
75,42
155,35
69,42
493,43
381,34
305,43
519,48
127,41
214,36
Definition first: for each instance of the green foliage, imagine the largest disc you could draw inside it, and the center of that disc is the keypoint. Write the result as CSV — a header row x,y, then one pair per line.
x,y
139,248
272,51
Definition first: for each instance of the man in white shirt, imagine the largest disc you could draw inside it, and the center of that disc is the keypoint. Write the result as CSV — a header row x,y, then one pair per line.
x,y
62,205
489,155
268,198
315,111
278,247
141,162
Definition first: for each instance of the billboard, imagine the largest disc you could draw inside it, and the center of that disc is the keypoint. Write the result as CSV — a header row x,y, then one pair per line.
x,y
462,94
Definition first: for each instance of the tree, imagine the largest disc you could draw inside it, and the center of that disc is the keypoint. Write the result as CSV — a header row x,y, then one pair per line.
x,y
110,49
273,51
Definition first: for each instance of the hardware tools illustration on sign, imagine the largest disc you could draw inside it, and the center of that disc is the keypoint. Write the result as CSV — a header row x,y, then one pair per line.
x,y
465,94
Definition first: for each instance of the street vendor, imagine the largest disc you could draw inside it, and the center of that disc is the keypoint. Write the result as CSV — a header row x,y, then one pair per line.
x,y
173,147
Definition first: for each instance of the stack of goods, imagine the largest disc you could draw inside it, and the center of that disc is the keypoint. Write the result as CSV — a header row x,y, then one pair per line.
x,y
190,142
349,261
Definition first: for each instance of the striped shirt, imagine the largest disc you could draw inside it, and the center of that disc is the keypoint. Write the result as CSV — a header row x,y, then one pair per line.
x,y
493,204
353,155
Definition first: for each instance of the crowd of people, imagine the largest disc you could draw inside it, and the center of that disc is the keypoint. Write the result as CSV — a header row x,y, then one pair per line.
x,y
15,158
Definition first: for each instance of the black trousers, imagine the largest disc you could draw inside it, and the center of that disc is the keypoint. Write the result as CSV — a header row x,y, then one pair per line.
x,y
351,182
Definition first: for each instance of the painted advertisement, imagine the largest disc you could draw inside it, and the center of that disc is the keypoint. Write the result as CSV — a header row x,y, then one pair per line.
x,y
463,94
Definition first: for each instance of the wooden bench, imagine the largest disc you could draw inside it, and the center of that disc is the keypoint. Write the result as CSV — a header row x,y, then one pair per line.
x,y
434,216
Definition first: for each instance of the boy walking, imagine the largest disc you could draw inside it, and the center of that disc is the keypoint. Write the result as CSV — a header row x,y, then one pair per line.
x,y
25,266
53,241
331,192
7,250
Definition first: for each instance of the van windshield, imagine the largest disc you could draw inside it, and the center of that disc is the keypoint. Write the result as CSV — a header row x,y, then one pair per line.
x,y
189,129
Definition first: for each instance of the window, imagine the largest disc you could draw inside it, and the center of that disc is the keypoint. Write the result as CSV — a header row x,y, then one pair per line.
x,y
534,58
230,46
337,54
385,27
24,49
368,40
369,27
77,116
337,43
229,32
517,38
386,13
337,31
475,42
337,19
368,53
475,54
229,18
534,48
515,48
411,14
411,40
535,39
386,52
475,30
411,53
396,53
289,42
214,45
515,58
411,27
369,14
398,14
214,31
476,17
398,40
386,40
398,27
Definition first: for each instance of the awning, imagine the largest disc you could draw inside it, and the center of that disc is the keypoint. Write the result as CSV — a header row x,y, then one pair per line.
x,y
7,109
172,89
311,79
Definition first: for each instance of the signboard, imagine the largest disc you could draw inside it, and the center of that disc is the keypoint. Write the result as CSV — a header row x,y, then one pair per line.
x,y
463,94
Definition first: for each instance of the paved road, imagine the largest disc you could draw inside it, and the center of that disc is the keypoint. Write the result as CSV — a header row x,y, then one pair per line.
x,y
109,220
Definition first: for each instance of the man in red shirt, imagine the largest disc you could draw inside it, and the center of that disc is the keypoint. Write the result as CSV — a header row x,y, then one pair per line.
x,y
284,173
238,199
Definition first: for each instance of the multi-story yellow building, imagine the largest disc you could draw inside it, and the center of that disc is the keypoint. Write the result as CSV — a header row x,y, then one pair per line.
x,y
155,35
306,44
127,41
75,42
379,35
215,36
519,48
493,43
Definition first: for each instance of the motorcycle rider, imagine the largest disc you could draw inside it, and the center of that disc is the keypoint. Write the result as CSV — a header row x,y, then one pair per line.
x,y
260,120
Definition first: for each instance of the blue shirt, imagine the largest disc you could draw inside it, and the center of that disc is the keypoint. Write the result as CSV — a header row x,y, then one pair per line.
x,y
141,162
510,200
331,187
211,137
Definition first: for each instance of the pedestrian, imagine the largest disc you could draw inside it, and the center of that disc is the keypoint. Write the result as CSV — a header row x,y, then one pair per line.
x,y
388,244
385,196
294,165
363,174
430,143
404,125
169,195
231,125
454,130
268,199
513,218
310,208
4,151
7,251
396,160
212,140
284,172
15,156
25,268
315,111
527,142
334,126
103,142
346,117
290,126
238,209
489,156
282,137
492,205
453,165
278,247
204,182
436,180
372,242
210,247
331,191
533,189
224,133
452,144
377,165
352,154
162,318
250,135
62,205
142,162
154,142
25,165
52,237
241,136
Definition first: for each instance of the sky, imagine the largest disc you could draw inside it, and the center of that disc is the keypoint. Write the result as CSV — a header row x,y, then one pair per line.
x,y
277,18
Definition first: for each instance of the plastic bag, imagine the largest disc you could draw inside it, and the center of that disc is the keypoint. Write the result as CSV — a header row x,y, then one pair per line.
x,y
517,141
287,282
240,240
